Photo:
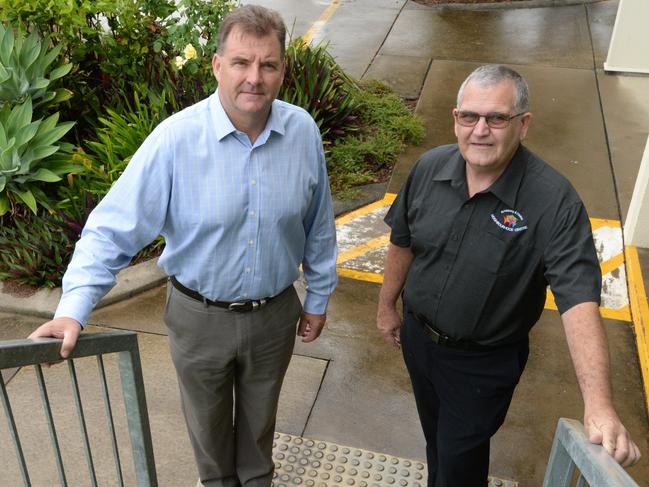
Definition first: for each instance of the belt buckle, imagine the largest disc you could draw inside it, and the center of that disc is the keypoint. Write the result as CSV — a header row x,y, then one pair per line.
x,y
243,306
239,306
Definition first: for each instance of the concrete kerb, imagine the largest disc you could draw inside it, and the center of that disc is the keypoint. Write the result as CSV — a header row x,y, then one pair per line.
x,y
144,276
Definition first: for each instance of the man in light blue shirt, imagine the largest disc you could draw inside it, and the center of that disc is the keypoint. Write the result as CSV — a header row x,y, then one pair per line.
x,y
237,185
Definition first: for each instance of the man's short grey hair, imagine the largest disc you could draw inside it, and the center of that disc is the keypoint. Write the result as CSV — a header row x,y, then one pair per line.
x,y
252,19
492,74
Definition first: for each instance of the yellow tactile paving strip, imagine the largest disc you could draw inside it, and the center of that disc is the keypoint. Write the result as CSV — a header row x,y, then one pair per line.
x,y
363,240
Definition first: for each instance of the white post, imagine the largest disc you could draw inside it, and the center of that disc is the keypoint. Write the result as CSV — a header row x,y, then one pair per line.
x,y
636,225
628,50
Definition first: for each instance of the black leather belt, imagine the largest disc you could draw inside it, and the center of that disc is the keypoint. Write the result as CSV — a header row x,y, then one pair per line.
x,y
444,340
238,306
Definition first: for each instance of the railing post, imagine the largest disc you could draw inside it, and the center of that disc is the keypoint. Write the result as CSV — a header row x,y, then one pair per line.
x,y
572,450
560,467
130,370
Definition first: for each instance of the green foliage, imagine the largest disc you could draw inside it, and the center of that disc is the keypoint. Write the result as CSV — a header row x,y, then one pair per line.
x,y
25,147
315,82
368,156
35,252
27,70
119,136
122,47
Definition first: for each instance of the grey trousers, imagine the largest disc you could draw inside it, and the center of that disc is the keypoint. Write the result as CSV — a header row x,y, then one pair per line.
x,y
230,368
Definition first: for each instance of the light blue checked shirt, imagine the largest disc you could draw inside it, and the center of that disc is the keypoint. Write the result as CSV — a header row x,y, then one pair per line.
x,y
238,218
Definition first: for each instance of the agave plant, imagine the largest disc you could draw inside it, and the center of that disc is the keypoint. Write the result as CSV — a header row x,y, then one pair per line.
x,y
315,82
27,69
26,150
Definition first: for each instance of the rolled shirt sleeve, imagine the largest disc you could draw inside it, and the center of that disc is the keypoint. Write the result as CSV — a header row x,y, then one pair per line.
x,y
571,264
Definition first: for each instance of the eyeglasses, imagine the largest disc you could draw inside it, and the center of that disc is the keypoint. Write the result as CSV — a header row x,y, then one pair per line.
x,y
494,120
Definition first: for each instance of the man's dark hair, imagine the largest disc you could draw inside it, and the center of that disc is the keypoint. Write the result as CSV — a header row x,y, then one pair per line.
x,y
252,19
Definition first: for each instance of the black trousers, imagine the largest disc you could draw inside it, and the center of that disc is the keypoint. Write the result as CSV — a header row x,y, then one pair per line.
x,y
462,398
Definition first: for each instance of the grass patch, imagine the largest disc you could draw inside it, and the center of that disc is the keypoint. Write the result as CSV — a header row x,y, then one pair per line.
x,y
369,154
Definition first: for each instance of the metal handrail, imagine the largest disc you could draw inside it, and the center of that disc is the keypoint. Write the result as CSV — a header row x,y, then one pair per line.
x,y
571,450
20,353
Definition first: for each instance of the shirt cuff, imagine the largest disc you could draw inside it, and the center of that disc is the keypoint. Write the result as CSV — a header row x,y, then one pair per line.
x,y
315,304
75,307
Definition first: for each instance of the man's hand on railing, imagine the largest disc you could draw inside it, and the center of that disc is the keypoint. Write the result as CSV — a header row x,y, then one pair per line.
x,y
607,430
66,328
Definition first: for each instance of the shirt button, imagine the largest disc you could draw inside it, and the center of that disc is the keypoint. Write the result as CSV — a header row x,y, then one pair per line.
x,y
247,269
245,295
454,236
254,181
252,213
447,267
251,242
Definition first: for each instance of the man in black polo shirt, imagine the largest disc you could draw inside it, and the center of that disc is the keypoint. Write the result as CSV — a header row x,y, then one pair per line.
x,y
479,230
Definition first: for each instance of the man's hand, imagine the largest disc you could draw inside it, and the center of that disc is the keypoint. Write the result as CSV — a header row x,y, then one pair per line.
x,y
66,328
606,429
311,326
589,352
388,322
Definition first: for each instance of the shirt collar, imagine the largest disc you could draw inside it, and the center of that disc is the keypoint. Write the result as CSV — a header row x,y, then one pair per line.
x,y
454,171
223,125
504,188
507,185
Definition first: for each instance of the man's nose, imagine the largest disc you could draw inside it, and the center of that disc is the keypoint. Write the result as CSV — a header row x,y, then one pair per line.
x,y
254,75
481,128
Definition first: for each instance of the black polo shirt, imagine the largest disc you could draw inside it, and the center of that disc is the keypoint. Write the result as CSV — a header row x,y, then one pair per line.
x,y
482,264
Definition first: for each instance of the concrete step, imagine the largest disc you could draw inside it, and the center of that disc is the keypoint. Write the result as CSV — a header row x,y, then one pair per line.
x,y
316,463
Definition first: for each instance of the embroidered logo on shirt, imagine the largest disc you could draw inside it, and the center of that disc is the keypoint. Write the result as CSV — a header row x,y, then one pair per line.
x,y
509,220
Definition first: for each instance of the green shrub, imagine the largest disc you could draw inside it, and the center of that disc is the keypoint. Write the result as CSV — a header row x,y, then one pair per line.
x,y
122,47
368,155
315,82
25,150
118,137
35,251
27,70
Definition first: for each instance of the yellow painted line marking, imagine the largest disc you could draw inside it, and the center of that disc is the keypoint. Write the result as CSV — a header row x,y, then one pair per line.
x,y
611,264
596,223
359,275
375,243
622,314
640,313
317,25
608,266
387,200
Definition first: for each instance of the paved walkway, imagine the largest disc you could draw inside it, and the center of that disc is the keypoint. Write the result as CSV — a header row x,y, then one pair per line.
x,y
347,388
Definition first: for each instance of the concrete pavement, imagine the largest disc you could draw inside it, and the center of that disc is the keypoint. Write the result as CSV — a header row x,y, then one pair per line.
x,y
347,387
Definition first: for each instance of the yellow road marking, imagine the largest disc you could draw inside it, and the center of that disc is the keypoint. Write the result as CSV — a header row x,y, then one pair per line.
x,y
596,223
359,275
375,243
639,312
611,264
387,199
317,25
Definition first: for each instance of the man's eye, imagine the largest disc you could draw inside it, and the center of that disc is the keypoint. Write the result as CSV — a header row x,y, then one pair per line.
x,y
498,117
469,116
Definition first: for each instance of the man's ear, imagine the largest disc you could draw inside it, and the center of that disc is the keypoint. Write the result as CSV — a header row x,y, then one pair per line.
x,y
216,66
526,120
